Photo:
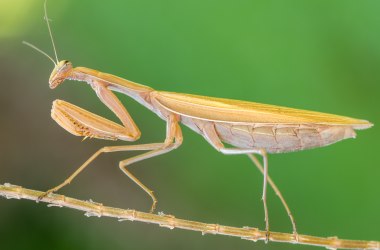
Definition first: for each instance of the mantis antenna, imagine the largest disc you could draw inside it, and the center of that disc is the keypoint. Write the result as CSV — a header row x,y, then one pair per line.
x,y
51,37
39,50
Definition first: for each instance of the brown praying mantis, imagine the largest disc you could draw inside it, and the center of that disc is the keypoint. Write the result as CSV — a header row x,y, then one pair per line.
x,y
250,128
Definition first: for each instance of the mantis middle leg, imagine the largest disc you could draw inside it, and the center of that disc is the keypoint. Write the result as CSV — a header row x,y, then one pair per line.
x,y
172,141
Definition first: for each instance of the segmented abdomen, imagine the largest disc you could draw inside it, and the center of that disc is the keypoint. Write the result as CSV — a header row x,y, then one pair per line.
x,y
282,138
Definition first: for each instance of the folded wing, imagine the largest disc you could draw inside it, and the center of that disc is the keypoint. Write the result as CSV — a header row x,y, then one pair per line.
x,y
235,111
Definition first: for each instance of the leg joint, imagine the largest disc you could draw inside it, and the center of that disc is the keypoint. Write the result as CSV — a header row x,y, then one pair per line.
x,y
135,135
105,150
263,152
122,165
172,143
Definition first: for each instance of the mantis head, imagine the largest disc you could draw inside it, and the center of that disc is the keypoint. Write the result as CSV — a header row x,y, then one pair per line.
x,y
60,72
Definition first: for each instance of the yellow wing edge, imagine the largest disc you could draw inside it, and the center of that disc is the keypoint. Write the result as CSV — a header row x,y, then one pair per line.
x,y
235,111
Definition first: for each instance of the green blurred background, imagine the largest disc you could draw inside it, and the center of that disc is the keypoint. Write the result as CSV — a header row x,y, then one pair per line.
x,y
318,55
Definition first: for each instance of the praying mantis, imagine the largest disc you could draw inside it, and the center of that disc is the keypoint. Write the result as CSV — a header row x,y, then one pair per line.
x,y
250,128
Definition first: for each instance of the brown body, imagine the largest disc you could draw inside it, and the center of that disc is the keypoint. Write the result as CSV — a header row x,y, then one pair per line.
x,y
239,123
250,128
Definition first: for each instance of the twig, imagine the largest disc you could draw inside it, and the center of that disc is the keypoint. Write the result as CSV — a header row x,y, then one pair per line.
x,y
96,209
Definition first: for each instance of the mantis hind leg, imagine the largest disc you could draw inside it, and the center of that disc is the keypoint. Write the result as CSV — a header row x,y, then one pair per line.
x,y
278,193
212,137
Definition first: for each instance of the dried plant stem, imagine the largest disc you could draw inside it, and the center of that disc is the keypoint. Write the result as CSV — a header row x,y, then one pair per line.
x,y
96,209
